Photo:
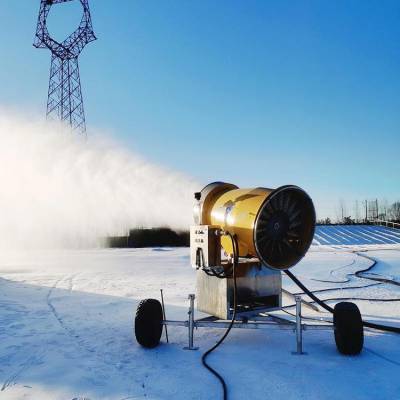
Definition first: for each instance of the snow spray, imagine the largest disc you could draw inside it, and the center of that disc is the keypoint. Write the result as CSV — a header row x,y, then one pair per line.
x,y
58,190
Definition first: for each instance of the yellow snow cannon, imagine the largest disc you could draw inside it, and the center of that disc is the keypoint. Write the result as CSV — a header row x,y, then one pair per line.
x,y
274,225
263,232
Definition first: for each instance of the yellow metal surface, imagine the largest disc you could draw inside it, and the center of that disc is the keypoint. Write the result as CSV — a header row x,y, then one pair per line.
x,y
235,211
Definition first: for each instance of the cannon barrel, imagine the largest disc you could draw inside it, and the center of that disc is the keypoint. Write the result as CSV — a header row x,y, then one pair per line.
x,y
274,225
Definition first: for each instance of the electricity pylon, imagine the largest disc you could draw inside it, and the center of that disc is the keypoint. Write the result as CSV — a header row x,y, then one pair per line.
x,y
64,100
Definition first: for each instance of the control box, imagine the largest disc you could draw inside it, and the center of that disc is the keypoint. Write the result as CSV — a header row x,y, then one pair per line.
x,y
205,246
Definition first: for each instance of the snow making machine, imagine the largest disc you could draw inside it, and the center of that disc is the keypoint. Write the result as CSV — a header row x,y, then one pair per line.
x,y
242,242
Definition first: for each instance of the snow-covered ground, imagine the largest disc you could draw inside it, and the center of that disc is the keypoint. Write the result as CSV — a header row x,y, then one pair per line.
x,y
351,235
66,327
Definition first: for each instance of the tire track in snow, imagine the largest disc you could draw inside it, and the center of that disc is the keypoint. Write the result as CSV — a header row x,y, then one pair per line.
x,y
30,362
53,309
381,356
33,360
103,360
70,332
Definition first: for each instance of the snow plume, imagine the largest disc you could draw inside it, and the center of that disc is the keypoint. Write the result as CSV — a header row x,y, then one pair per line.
x,y
58,190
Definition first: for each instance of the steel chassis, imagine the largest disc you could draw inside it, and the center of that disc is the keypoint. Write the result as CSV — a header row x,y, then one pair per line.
x,y
259,321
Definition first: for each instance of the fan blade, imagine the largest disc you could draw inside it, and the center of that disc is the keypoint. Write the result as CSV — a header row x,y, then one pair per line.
x,y
262,238
270,208
294,225
280,202
294,249
287,202
279,245
294,215
293,234
272,247
292,207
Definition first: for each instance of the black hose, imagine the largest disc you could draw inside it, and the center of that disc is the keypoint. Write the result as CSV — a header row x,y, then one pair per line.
x,y
308,292
330,309
205,355
200,264
386,328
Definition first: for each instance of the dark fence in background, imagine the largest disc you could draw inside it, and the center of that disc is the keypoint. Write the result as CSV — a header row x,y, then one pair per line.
x,y
154,237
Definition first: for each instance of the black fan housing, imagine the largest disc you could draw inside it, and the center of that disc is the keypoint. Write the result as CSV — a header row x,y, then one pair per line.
x,y
284,227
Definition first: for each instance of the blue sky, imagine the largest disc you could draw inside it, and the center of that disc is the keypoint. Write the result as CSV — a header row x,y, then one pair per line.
x,y
258,93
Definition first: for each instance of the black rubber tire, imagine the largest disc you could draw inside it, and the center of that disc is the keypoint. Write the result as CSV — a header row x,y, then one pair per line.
x,y
148,323
348,327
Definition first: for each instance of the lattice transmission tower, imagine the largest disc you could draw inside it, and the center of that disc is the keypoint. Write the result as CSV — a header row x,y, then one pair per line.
x,y
64,100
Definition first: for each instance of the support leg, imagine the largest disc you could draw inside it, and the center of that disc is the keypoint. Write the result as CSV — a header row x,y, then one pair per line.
x,y
191,323
163,311
299,328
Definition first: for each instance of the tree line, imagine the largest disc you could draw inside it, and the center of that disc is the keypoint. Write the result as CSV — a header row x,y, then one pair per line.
x,y
364,212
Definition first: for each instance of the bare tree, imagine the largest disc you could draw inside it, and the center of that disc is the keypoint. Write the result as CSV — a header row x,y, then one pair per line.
x,y
383,209
356,211
395,211
342,210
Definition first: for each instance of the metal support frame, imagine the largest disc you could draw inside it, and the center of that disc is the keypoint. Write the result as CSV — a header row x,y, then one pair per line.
x,y
299,328
191,323
262,321
163,312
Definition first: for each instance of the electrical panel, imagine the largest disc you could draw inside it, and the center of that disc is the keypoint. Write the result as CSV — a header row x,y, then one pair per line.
x,y
205,246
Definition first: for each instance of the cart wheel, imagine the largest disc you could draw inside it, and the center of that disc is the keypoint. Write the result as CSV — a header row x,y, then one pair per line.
x,y
348,327
148,323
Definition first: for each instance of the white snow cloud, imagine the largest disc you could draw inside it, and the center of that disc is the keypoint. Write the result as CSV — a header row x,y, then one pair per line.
x,y
59,190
